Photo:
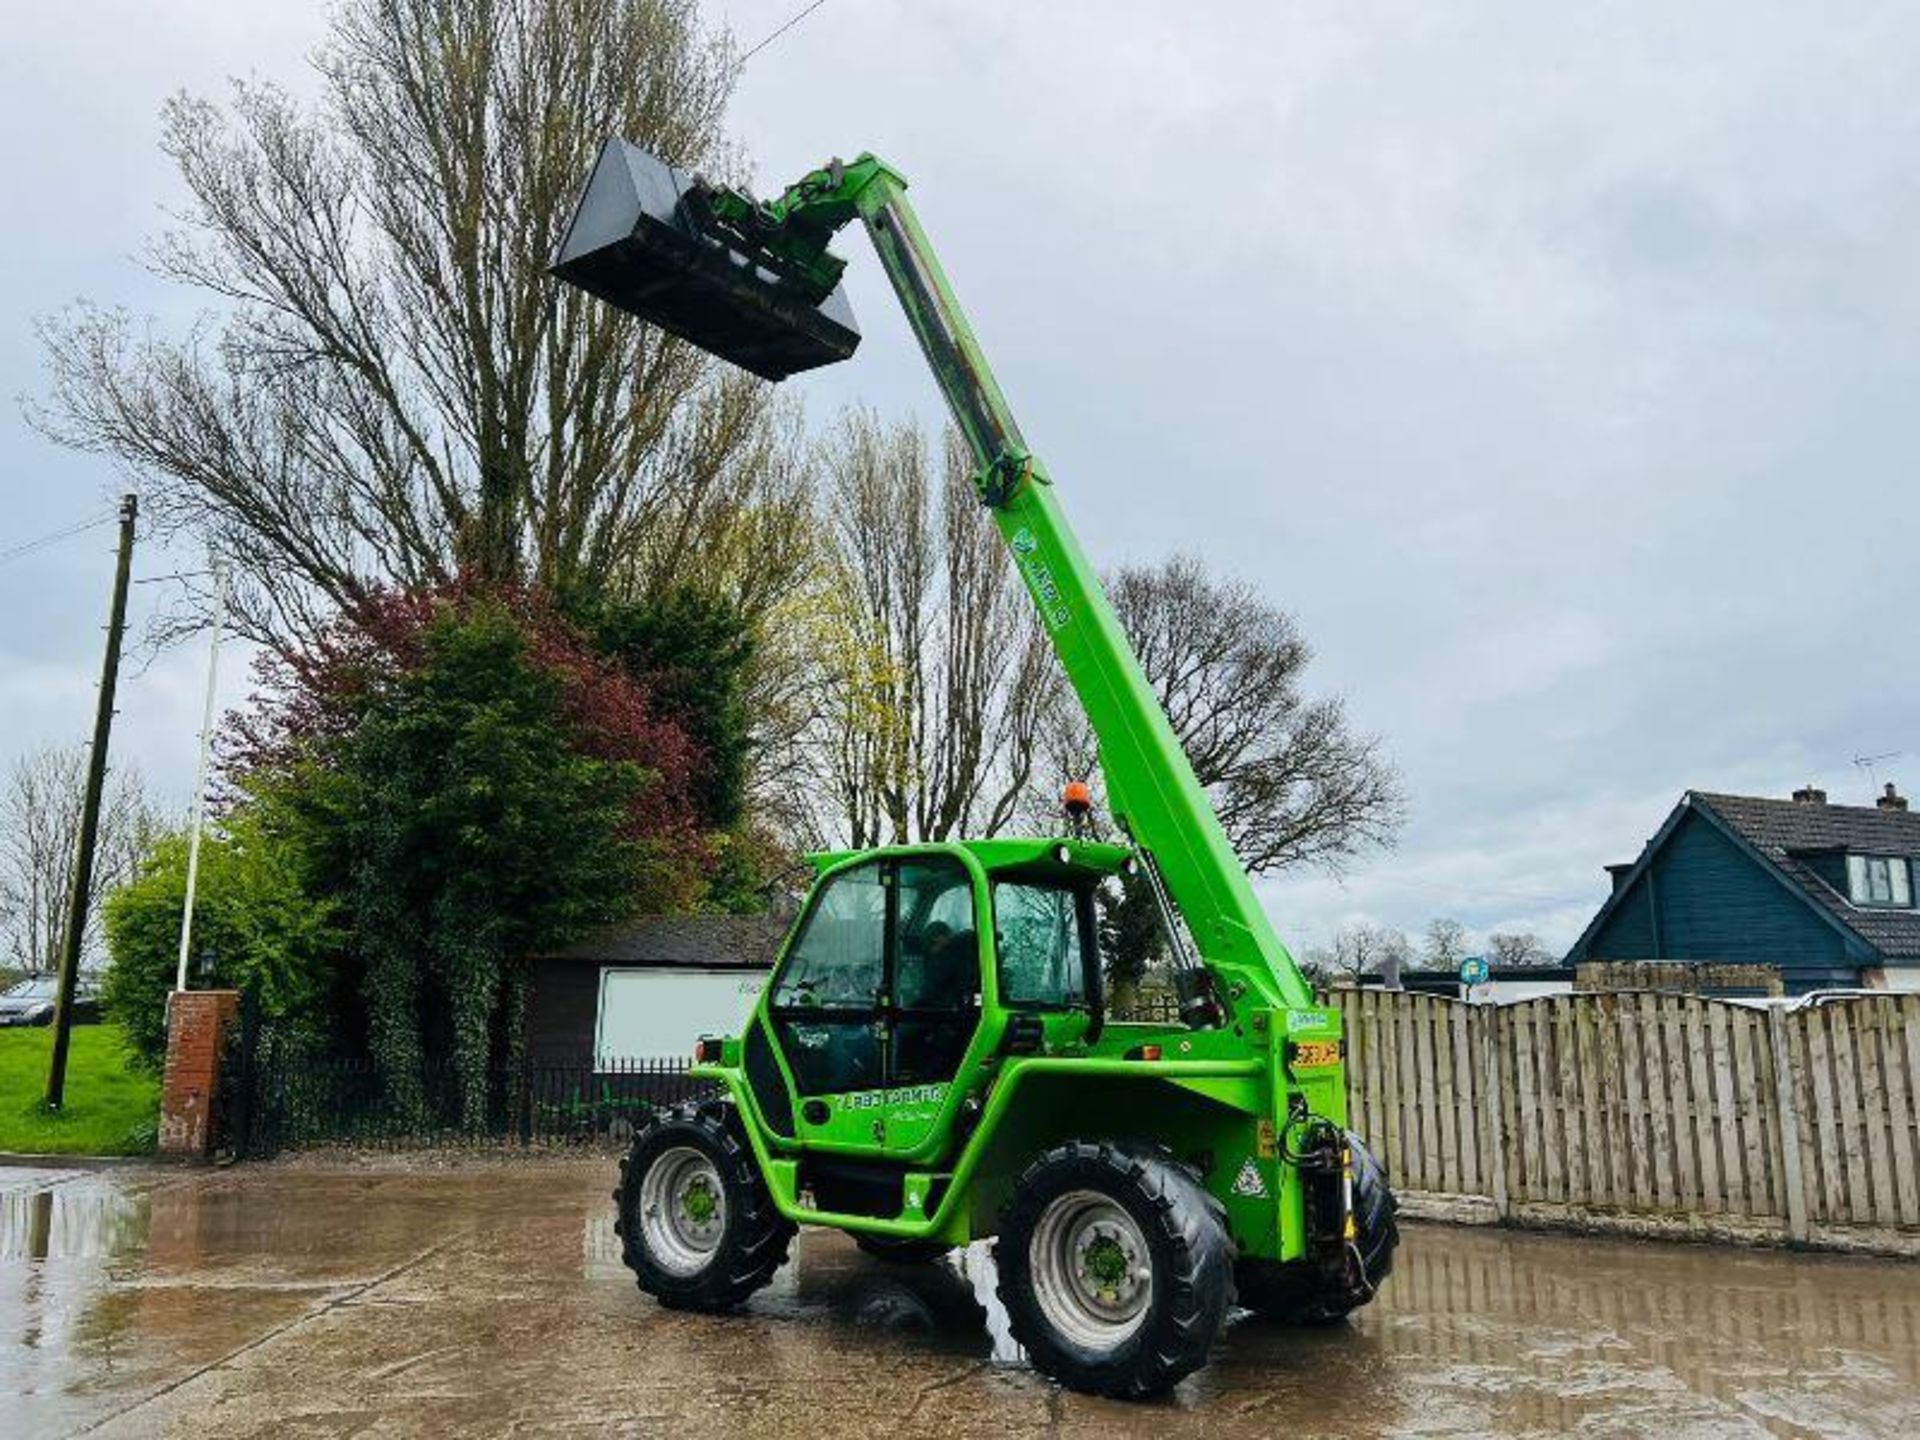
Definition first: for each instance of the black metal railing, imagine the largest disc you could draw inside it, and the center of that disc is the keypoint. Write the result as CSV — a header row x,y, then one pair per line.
x,y
279,1097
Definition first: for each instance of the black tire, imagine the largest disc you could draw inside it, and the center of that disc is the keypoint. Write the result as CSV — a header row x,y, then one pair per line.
x,y
1298,1293
734,1252
1189,1261
896,1251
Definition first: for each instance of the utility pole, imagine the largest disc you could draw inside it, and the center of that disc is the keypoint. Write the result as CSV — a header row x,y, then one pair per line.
x,y
200,788
90,816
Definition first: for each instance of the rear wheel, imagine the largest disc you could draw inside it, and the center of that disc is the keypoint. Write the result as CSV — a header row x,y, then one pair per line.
x,y
1115,1269
897,1251
696,1223
1300,1293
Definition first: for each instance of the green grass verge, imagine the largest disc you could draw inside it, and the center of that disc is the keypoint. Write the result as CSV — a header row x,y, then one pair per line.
x,y
111,1108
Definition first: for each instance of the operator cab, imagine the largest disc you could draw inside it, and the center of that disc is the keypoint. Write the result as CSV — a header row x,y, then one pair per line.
x,y
911,969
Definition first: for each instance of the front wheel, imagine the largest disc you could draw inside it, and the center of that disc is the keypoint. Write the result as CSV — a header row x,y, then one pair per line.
x,y
1115,1269
696,1223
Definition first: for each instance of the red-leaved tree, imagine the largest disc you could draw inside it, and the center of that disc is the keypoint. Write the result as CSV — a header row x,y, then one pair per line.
x,y
476,785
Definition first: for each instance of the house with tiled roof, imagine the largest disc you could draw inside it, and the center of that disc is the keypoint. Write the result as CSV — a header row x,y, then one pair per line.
x,y
1825,893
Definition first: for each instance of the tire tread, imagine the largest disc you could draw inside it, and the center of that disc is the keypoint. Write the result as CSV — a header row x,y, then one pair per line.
x,y
759,1236
1192,1294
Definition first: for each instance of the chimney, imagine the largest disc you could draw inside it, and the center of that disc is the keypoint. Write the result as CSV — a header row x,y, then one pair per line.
x,y
1892,799
1810,795
1618,874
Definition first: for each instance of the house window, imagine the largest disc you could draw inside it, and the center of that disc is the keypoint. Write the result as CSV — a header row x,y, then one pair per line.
x,y
1878,880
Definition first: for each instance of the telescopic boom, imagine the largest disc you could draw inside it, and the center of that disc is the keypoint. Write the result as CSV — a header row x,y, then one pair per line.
x,y
764,293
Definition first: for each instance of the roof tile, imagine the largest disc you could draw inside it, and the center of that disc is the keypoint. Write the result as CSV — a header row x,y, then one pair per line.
x,y
718,942
1781,829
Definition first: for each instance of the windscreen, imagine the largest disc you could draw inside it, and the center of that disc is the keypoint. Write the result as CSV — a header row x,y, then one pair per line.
x,y
838,961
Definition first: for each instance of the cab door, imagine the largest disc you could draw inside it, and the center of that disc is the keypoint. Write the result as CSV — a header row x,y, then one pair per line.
x,y
828,1003
878,1001
933,992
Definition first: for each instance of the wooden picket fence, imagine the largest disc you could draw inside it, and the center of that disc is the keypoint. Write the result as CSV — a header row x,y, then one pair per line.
x,y
1670,1109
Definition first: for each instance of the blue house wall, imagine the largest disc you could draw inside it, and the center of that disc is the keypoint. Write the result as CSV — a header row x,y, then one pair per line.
x,y
1628,934
1705,897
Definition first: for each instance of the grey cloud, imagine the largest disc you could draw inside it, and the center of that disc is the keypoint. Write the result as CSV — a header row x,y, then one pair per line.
x,y
1554,364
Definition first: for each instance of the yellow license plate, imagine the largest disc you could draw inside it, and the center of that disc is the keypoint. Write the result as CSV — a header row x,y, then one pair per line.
x,y
1316,1054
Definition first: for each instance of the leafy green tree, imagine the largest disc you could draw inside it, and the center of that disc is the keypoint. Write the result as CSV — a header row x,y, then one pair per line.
x,y
256,920
747,861
1132,934
478,787
694,653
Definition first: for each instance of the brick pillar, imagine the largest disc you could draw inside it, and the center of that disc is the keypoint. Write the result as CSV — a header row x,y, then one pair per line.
x,y
197,1022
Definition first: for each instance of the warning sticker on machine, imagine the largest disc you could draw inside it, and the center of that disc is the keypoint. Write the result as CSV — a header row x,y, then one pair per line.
x,y
1248,1181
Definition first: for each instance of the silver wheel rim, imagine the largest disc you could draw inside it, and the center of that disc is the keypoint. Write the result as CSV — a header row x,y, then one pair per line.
x,y
683,1210
1092,1271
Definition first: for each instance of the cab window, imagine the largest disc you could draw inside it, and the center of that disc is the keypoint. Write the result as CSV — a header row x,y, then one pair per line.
x,y
1039,932
937,962
839,962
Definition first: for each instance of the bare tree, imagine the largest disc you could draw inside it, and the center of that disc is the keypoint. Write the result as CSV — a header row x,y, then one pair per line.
x,y
1291,781
392,390
1446,944
1521,948
937,706
40,809
931,677
1361,950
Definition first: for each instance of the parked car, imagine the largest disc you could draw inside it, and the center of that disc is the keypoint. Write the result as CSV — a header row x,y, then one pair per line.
x,y
1811,1000
1815,999
31,1002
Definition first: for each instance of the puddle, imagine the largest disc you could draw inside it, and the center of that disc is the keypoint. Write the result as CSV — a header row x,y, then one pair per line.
x,y
70,1216
1500,1331
450,1301
950,1302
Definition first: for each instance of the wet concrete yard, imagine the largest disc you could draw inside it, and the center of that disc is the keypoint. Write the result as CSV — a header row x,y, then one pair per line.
x,y
489,1299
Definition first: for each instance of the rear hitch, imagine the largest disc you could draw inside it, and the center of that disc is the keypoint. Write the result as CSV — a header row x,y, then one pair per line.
x,y
1325,1163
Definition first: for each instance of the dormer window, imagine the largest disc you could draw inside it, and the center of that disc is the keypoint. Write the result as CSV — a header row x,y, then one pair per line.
x,y
1879,880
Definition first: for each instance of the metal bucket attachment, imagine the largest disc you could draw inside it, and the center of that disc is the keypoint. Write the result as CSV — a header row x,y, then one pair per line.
x,y
633,242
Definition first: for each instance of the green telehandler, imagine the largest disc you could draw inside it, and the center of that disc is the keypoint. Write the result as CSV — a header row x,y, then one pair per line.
x,y
931,1061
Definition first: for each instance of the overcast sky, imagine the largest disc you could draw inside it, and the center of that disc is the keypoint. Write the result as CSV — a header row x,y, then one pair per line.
x,y
1557,366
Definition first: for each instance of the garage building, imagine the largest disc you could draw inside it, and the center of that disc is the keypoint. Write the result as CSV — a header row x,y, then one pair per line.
x,y
646,989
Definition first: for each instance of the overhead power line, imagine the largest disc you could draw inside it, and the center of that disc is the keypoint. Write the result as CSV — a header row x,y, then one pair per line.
x,y
16,552
740,64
